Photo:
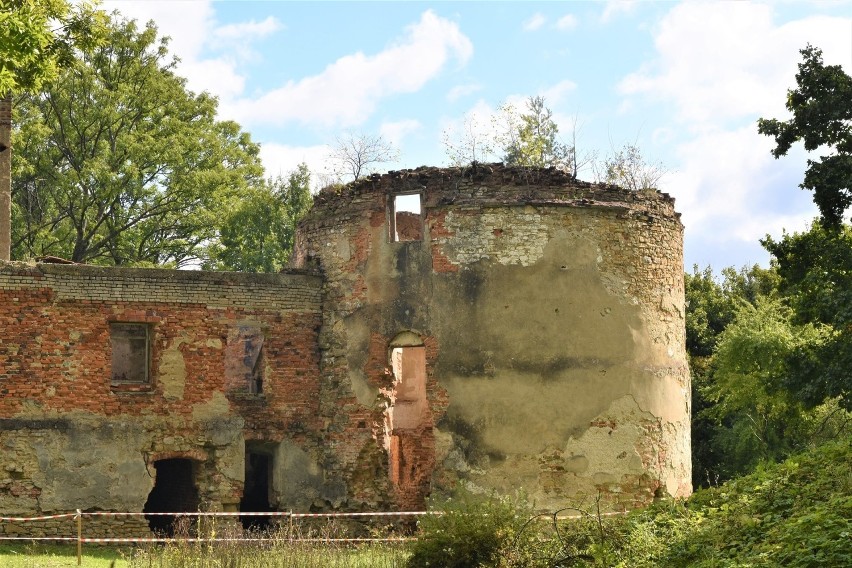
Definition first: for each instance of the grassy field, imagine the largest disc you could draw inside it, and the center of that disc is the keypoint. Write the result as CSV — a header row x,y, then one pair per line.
x,y
273,555
56,556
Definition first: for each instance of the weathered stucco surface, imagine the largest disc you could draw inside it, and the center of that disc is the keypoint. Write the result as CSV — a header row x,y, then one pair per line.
x,y
522,331
552,315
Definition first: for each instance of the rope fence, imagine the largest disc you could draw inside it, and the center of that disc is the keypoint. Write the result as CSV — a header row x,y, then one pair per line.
x,y
80,539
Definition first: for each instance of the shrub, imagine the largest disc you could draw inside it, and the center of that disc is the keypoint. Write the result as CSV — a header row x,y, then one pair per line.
x,y
469,532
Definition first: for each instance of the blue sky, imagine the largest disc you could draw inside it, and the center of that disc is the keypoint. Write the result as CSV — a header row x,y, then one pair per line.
x,y
683,81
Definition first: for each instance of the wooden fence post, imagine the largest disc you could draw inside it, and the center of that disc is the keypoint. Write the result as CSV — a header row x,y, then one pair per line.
x,y
79,537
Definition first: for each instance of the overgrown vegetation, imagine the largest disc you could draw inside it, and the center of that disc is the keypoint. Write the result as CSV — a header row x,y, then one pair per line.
x,y
471,531
768,375
797,513
290,546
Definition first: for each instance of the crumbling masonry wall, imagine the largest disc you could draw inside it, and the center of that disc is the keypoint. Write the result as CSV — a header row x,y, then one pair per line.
x,y
522,330
71,438
551,314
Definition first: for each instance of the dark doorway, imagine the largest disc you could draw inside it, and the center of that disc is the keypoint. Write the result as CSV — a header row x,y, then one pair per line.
x,y
174,492
257,489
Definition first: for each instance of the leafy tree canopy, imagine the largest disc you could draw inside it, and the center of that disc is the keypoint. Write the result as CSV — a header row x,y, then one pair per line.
x,y
723,436
815,268
38,37
258,235
530,139
822,118
119,164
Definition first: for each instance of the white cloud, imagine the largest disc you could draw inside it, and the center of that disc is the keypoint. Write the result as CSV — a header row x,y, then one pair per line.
x,y
235,40
281,159
347,91
187,23
395,132
248,30
717,68
556,93
460,91
553,96
191,25
731,189
726,61
534,22
566,22
614,8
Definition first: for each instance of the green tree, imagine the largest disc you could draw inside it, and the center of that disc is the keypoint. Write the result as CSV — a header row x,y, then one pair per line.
x,y
711,306
815,268
758,419
258,236
530,139
119,164
627,168
37,38
822,117
708,311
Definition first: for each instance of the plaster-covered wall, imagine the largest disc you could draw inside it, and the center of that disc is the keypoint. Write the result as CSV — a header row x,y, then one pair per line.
x,y
552,316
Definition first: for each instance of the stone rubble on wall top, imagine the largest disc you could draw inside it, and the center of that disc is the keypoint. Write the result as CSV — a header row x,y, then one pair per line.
x,y
484,184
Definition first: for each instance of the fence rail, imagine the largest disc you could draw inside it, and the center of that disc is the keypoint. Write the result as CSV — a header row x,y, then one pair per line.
x,y
79,515
80,539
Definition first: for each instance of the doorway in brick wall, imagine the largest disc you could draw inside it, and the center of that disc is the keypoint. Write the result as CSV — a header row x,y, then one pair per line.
x,y
408,423
175,491
257,491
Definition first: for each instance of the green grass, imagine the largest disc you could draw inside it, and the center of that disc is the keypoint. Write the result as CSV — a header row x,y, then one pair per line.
x,y
270,556
243,555
58,555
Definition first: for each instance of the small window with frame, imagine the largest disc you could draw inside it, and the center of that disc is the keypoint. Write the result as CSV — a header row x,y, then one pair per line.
x,y
131,353
406,219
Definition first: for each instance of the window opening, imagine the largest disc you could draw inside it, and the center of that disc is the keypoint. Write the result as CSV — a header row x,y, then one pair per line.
x,y
407,414
174,492
406,218
244,359
257,491
130,352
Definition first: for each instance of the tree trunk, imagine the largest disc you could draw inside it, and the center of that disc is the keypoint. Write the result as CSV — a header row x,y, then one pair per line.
x,y
6,177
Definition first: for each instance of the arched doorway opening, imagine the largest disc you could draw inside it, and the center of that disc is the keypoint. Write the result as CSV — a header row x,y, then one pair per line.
x,y
409,439
174,491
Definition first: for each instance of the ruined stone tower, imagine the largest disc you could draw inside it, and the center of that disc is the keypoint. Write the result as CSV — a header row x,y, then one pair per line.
x,y
492,327
505,328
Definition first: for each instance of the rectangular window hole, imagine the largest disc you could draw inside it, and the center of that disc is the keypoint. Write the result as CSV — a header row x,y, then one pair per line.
x,y
130,352
406,218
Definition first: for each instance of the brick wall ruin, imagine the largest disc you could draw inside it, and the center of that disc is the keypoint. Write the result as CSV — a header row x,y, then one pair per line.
x,y
73,434
492,327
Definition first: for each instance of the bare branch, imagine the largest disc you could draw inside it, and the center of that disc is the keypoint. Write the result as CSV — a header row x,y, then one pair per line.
x,y
354,153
